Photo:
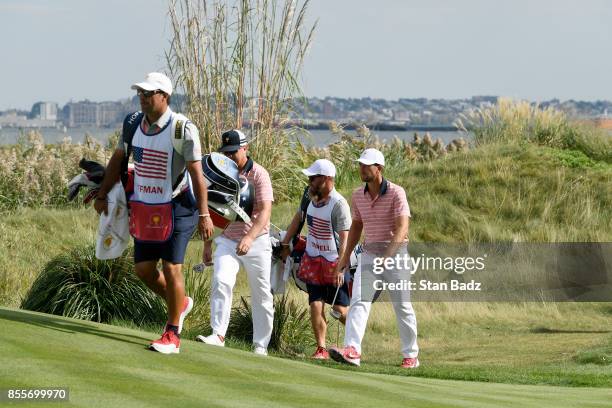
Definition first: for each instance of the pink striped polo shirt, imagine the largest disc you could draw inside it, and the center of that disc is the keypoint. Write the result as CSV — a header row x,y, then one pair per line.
x,y
378,215
260,179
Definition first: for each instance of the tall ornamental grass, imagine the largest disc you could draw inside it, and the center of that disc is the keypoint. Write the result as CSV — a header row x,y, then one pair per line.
x,y
510,121
398,153
78,285
33,173
238,62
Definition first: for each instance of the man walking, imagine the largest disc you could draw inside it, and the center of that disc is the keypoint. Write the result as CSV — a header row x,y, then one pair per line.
x,y
246,244
380,209
329,219
163,210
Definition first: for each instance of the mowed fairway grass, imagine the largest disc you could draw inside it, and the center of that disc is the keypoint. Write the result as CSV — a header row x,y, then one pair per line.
x,y
106,366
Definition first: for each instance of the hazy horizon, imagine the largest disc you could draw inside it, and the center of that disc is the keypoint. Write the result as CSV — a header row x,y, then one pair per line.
x,y
444,49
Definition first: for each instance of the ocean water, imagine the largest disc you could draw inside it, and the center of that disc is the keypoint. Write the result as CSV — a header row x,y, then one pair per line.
x,y
311,138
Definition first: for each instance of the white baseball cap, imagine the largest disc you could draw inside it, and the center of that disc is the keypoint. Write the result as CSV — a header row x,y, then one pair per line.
x,y
321,167
154,81
371,156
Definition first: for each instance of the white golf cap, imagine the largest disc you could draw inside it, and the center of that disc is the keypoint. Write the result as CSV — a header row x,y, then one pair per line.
x,y
321,167
154,81
372,156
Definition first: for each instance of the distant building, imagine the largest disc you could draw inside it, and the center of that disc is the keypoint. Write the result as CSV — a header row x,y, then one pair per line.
x,y
110,113
78,114
12,118
44,111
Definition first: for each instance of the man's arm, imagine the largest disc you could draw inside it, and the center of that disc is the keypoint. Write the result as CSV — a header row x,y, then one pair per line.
x,y
112,174
343,236
205,225
352,238
263,218
292,230
400,232
258,225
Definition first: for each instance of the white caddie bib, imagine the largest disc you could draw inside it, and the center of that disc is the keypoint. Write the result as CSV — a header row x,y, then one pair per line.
x,y
151,214
320,240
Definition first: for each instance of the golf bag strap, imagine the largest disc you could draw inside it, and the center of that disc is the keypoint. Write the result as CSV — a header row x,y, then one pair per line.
x,y
236,208
303,207
248,166
130,125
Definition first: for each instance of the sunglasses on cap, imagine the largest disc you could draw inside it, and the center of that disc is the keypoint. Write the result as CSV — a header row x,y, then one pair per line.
x,y
147,94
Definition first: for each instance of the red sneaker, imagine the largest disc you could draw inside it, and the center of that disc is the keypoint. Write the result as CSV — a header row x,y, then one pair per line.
x,y
187,306
169,343
410,362
321,354
348,355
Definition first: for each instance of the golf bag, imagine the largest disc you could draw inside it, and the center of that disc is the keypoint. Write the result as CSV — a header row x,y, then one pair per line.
x,y
292,264
230,196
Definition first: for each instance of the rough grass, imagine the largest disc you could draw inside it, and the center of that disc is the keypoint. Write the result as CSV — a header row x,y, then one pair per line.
x,y
508,193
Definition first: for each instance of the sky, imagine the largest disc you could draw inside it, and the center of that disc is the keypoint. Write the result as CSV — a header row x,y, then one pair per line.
x,y
64,50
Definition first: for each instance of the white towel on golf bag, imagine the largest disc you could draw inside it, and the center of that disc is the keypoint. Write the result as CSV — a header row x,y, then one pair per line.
x,y
277,269
113,229
277,277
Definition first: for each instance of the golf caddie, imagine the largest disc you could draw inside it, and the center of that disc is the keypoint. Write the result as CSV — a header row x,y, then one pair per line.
x,y
169,197
328,218
247,245
380,210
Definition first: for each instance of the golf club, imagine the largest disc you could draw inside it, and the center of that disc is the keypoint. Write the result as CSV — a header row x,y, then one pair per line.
x,y
334,315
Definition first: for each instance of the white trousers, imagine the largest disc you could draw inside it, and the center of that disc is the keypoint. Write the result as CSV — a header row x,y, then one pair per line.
x,y
257,266
359,312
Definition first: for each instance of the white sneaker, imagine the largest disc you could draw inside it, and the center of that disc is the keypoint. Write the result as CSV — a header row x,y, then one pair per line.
x,y
261,351
214,340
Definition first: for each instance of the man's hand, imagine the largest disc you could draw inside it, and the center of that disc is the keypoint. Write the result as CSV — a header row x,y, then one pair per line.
x,y
206,228
101,205
339,271
244,245
207,258
285,252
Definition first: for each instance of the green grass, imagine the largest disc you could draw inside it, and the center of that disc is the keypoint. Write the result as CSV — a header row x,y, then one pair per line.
x,y
108,366
530,343
517,192
521,193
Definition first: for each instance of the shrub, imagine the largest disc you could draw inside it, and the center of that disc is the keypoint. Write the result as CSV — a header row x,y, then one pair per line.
x,y
79,285
291,334
197,286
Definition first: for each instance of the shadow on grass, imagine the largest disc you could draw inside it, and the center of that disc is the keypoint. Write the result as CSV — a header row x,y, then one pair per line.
x,y
546,330
59,324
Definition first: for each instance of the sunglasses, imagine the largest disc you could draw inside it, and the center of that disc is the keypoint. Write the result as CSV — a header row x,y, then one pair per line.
x,y
147,94
311,178
233,152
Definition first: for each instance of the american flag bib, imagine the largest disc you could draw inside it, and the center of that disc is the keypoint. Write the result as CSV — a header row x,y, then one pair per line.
x,y
319,261
151,218
320,240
